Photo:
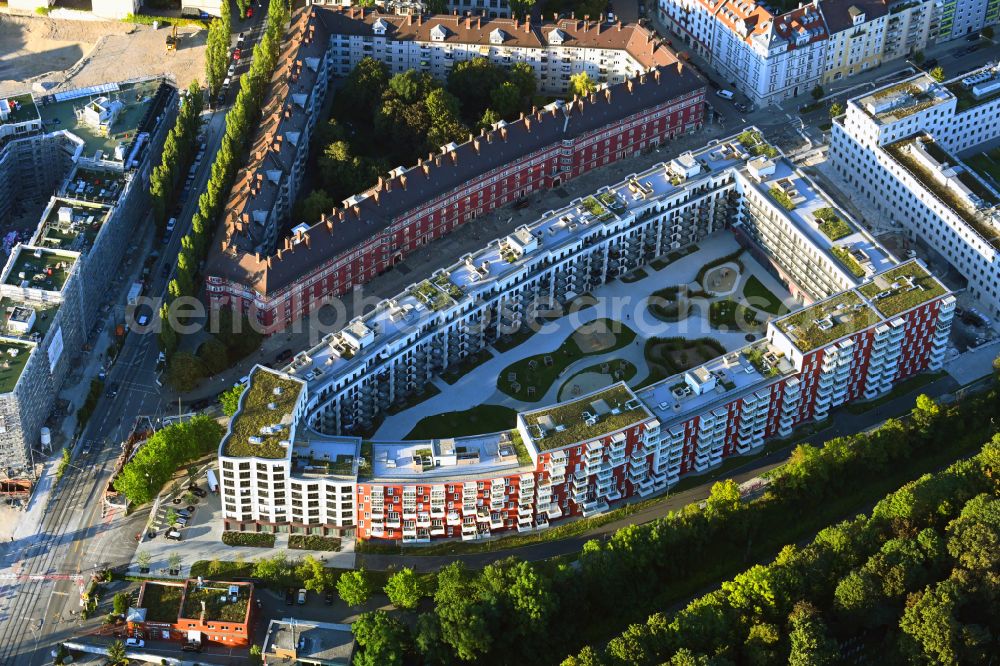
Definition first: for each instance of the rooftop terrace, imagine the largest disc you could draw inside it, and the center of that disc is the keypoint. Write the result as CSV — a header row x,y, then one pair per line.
x,y
309,642
334,456
70,225
18,322
38,268
13,357
902,288
897,101
269,401
444,458
826,321
223,602
98,186
121,106
22,109
594,415
827,227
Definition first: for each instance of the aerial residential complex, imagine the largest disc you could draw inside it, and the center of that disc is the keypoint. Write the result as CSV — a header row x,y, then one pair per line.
x,y
293,459
54,284
899,146
771,56
280,281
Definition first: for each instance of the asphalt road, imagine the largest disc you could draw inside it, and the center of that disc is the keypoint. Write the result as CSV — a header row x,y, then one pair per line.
x,y
75,537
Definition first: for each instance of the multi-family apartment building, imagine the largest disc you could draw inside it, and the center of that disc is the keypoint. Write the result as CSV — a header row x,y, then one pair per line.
x,y
900,147
293,457
410,207
958,18
53,285
772,56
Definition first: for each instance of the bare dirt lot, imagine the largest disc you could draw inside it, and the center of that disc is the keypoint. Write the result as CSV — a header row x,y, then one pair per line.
x,y
42,54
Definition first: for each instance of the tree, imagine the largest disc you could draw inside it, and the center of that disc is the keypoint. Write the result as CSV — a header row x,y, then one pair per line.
x,y
974,540
174,562
242,5
314,574
930,631
361,94
810,643
314,206
489,119
168,336
185,371
581,84
937,74
723,498
411,86
926,413
171,516
354,588
382,637
836,109
230,399
273,570
120,603
217,51
472,82
522,75
404,589
817,92
987,32
143,558
214,356
463,622
256,655
116,653
506,100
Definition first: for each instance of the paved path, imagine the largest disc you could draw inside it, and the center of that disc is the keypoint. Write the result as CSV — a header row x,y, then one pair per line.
x,y
842,423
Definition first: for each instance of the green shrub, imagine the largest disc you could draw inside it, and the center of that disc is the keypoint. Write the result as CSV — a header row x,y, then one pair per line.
x,y
256,539
313,542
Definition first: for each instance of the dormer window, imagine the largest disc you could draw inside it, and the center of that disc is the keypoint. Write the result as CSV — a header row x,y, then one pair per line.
x,y
380,26
497,36
438,33
557,37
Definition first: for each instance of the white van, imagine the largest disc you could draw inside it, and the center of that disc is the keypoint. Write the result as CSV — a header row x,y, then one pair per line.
x,y
725,94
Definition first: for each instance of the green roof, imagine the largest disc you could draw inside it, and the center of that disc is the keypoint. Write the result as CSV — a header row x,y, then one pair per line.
x,y
216,610
902,288
822,323
48,271
161,601
26,109
567,425
13,357
255,413
79,232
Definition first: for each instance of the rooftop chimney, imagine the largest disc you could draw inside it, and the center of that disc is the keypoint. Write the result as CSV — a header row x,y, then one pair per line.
x,y
426,169
628,85
607,94
619,25
356,209
527,125
503,133
527,23
454,157
475,145
402,182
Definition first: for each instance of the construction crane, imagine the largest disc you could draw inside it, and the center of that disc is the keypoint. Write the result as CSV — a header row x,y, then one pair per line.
x,y
172,39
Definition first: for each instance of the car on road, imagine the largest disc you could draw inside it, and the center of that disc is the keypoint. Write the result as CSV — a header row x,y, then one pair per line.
x,y
328,599
301,599
725,94
171,223
191,647
231,71
249,12
111,390
241,39
742,108
284,355
135,642
237,52
289,596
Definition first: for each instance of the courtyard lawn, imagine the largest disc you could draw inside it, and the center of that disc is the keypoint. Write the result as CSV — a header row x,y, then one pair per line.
x,y
762,298
987,165
478,420
594,377
541,370
669,356
672,304
732,315
470,363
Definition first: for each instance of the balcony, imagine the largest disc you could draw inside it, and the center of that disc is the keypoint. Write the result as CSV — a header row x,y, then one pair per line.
x,y
541,521
454,518
496,521
393,520
423,519
593,508
525,525
553,511
437,529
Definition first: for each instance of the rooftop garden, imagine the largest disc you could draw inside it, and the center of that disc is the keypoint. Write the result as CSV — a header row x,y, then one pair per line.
x,y
569,416
444,283
902,288
594,207
45,314
827,321
22,109
13,358
965,100
218,607
49,271
957,204
754,142
906,87
162,602
523,457
832,226
987,165
756,357
782,197
610,200
255,414
342,465
845,257
431,296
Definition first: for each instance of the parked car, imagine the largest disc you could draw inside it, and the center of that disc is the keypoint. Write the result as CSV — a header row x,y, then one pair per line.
x,y
241,39
237,53
111,390
191,647
231,71
134,642
302,596
725,94
185,514
181,521
289,596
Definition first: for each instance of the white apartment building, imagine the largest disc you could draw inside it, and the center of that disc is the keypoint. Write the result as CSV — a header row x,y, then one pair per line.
x,y
900,147
556,50
771,57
